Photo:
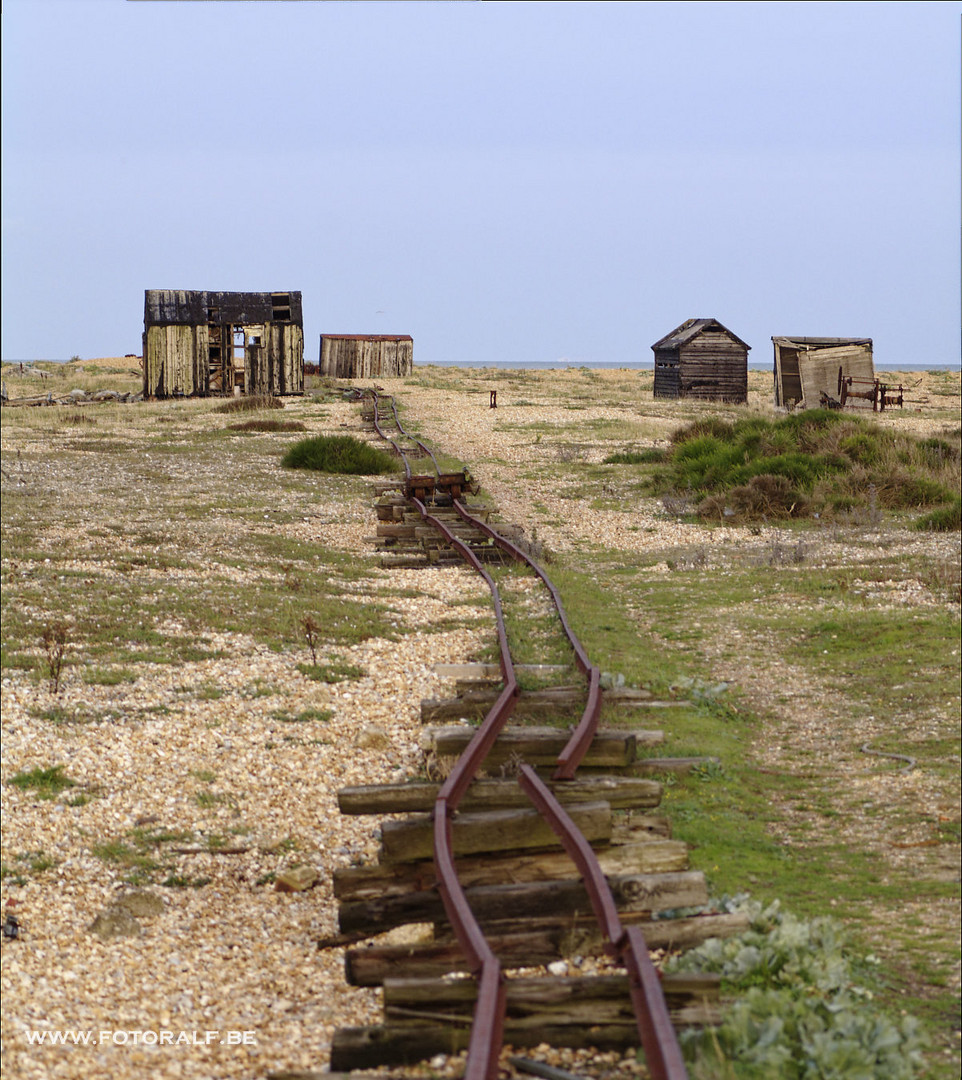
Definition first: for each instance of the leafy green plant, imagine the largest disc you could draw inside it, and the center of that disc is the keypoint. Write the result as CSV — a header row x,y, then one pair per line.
x,y
338,454
800,1013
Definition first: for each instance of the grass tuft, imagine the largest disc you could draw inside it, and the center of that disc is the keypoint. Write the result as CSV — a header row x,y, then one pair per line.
x,y
250,403
268,425
47,783
653,455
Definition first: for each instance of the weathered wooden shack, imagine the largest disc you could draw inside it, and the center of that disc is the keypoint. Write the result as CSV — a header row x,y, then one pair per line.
x,y
701,359
807,369
200,343
366,356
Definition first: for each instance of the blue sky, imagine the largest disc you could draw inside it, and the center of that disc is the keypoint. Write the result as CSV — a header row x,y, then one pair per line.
x,y
504,181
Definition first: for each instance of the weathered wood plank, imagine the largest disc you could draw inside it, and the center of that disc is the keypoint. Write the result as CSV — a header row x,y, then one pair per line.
x,y
541,745
492,672
398,1044
620,792
510,905
593,999
541,704
371,965
493,830
652,856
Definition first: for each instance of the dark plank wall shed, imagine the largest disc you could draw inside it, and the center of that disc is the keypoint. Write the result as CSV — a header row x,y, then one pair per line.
x,y
198,343
366,356
701,359
807,367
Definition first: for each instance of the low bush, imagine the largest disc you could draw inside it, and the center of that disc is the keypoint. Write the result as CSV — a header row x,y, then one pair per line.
x,y
338,454
819,461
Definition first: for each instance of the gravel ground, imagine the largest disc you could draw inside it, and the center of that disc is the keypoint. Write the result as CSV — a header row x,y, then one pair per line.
x,y
236,957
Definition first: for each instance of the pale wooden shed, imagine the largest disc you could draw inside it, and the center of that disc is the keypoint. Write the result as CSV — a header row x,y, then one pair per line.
x,y
198,343
701,359
809,370
366,356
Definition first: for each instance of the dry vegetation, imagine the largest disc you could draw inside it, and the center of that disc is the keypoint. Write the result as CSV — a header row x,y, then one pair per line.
x,y
191,712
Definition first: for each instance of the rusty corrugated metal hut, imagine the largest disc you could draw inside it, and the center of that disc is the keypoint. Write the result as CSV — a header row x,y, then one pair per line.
x,y
701,359
366,356
200,343
806,368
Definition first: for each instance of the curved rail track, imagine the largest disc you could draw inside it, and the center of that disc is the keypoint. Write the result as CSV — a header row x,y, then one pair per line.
x,y
625,945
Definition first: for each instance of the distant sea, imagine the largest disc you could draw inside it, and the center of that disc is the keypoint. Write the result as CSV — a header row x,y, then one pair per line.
x,y
561,365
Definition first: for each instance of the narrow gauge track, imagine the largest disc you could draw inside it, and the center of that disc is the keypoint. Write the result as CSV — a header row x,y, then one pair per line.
x,y
625,945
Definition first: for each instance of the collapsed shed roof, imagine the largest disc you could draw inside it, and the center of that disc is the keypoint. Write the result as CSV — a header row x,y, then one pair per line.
x,y
820,342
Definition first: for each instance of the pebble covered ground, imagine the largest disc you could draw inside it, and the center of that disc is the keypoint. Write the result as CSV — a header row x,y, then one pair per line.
x,y
222,977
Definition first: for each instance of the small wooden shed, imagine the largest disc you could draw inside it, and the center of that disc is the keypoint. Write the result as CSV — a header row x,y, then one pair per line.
x,y
366,356
198,343
807,368
701,359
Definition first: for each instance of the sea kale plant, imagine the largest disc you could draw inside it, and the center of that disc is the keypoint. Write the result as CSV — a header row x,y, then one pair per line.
x,y
799,1011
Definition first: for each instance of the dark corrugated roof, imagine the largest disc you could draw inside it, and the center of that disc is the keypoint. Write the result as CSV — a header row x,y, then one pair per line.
x,y
681,335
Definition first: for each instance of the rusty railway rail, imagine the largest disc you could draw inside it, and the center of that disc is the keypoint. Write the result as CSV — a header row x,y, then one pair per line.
x,y
624,945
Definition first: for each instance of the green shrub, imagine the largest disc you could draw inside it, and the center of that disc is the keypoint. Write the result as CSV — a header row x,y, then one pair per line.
x,y
337,454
